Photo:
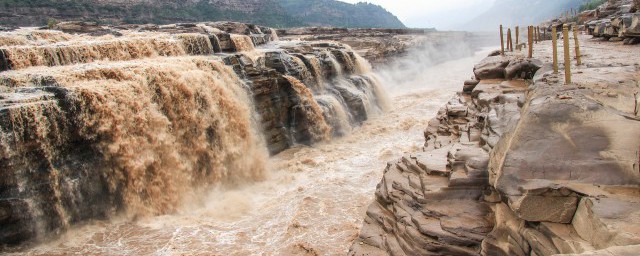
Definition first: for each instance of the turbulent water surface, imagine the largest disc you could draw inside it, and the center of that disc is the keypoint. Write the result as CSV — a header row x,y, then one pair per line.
x,y
313,201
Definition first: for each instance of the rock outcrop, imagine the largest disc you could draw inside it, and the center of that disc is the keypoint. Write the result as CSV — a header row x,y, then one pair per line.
x,y
512,167
380,46
136,119
614,20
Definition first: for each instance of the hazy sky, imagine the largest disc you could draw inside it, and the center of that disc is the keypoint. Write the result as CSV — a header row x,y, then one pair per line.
x,y
442,14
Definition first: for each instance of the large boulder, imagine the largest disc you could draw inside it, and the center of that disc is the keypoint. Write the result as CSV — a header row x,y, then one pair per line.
x,y
491,68
522,68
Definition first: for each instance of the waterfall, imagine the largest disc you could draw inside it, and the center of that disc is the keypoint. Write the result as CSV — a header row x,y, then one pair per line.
x,y
242,43
215,43
335,112
311,118
274,35
21,57
151,135
313,65
196,44
32,37
142,123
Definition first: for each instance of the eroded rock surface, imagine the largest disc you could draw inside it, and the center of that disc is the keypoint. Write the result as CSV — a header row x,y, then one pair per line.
x,y
382,45
534,168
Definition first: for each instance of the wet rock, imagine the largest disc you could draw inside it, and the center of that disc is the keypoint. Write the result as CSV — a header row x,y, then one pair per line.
x,y
4,62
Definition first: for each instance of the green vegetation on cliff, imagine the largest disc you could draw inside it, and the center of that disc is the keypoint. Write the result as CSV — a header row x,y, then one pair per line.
x,y
37,12
341,14
592,5
274,13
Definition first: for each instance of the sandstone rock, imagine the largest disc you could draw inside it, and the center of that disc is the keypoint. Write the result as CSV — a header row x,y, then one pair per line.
x,y
608,222
612,251
523,68
469,85
495,53
82,27
561,178
379,45
491,68
564,237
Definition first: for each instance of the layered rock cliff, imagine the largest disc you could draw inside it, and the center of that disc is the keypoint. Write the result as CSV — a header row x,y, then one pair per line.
x,y
133,120
615,20
521,167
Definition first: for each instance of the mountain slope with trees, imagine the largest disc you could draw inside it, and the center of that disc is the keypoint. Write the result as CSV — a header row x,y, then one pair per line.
x,y
273,13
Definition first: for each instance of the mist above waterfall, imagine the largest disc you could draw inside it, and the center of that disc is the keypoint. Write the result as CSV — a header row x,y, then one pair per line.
x,y
414,71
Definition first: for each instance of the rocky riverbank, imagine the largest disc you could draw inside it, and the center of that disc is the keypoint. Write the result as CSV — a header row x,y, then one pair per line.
x,y
521,164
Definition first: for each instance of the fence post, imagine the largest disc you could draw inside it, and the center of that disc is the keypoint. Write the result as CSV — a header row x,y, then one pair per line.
x,y
501,40
509,40
517,36
539,34
530,36
575,37
554,39
567,55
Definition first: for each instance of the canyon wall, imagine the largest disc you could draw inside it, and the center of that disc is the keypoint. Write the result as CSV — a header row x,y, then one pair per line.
x,y
136,120
520,164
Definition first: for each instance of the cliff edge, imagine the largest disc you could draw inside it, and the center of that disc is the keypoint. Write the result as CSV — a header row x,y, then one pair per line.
x,y
521,164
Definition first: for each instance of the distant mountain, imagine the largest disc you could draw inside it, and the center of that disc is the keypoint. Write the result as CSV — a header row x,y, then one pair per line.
x,y
341,14
520,12
273,13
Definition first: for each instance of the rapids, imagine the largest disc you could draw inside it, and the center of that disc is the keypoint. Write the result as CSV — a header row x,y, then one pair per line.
x,y
313,198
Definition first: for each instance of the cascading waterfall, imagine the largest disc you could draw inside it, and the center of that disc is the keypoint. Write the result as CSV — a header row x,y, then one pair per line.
x,y
139,125
316,69
157,133
336,114
274,35
33,37
112,50
242,43
319,129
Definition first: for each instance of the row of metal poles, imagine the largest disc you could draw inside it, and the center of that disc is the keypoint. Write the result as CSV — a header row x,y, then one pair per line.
x,y
535,35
